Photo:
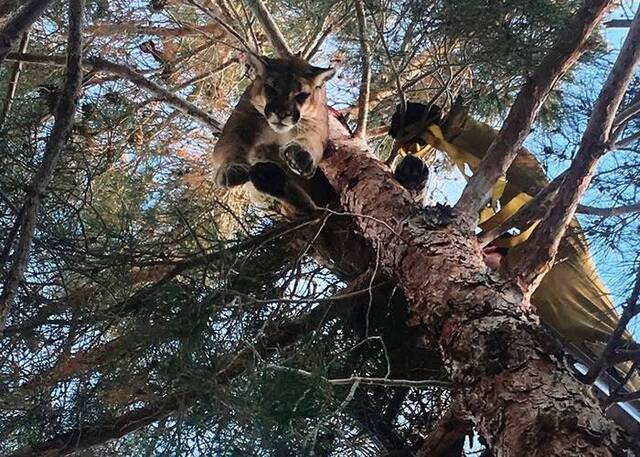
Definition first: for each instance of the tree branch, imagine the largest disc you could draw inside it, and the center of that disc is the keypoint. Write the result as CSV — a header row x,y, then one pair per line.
x,y
132,28
87,435
12,86
365,80
136,78
472,316
278,335
595,142
270,28
618,23
531,211
624,142
608,212
18,23
631,310
571,44
314,45
64,115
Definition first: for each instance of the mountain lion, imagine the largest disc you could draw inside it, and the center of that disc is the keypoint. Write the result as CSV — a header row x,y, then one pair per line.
x,y
277,132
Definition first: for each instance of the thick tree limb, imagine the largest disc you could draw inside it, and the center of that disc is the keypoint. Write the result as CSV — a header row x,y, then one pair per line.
x,y
595,142
136,78
270,28
570,46
484,325
365,69
19,23
64,115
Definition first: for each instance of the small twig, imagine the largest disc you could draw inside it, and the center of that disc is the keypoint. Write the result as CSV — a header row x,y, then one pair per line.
x,y
608,212
396,75
386,382
365,381
206,75
624,142
339,297
618,23
366,216
224,25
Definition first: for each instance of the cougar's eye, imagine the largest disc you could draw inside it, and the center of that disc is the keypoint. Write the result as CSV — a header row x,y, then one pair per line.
x,y
302,97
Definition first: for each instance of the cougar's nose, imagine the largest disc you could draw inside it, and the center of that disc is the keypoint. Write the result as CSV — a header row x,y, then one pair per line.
x,y
290,115
283,113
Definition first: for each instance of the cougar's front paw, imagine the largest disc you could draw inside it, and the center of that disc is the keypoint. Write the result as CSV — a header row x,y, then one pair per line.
x,y
232,175
269,178
299,160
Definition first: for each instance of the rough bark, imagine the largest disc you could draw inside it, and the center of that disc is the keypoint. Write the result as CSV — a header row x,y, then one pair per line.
x,y
510,383
447,439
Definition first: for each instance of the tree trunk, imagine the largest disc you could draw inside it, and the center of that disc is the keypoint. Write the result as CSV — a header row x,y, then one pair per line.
x,y
507,373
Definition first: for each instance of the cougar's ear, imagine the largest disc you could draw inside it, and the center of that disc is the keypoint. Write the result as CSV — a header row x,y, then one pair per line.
x,y
319,76
258,64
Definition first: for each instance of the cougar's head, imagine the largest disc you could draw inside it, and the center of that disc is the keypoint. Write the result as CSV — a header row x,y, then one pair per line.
x,y
287,89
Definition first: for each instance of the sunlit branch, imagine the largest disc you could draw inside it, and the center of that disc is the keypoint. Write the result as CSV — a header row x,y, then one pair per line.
x,y
365,69
595,141
570,45
270,28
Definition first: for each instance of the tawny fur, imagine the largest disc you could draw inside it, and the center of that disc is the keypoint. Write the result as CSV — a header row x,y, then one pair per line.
x,y
281,119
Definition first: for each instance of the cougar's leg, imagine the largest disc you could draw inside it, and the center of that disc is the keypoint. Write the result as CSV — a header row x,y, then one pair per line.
x,y
269,178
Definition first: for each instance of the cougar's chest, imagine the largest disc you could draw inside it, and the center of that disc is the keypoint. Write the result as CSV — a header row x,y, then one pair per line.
x,y
268,143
